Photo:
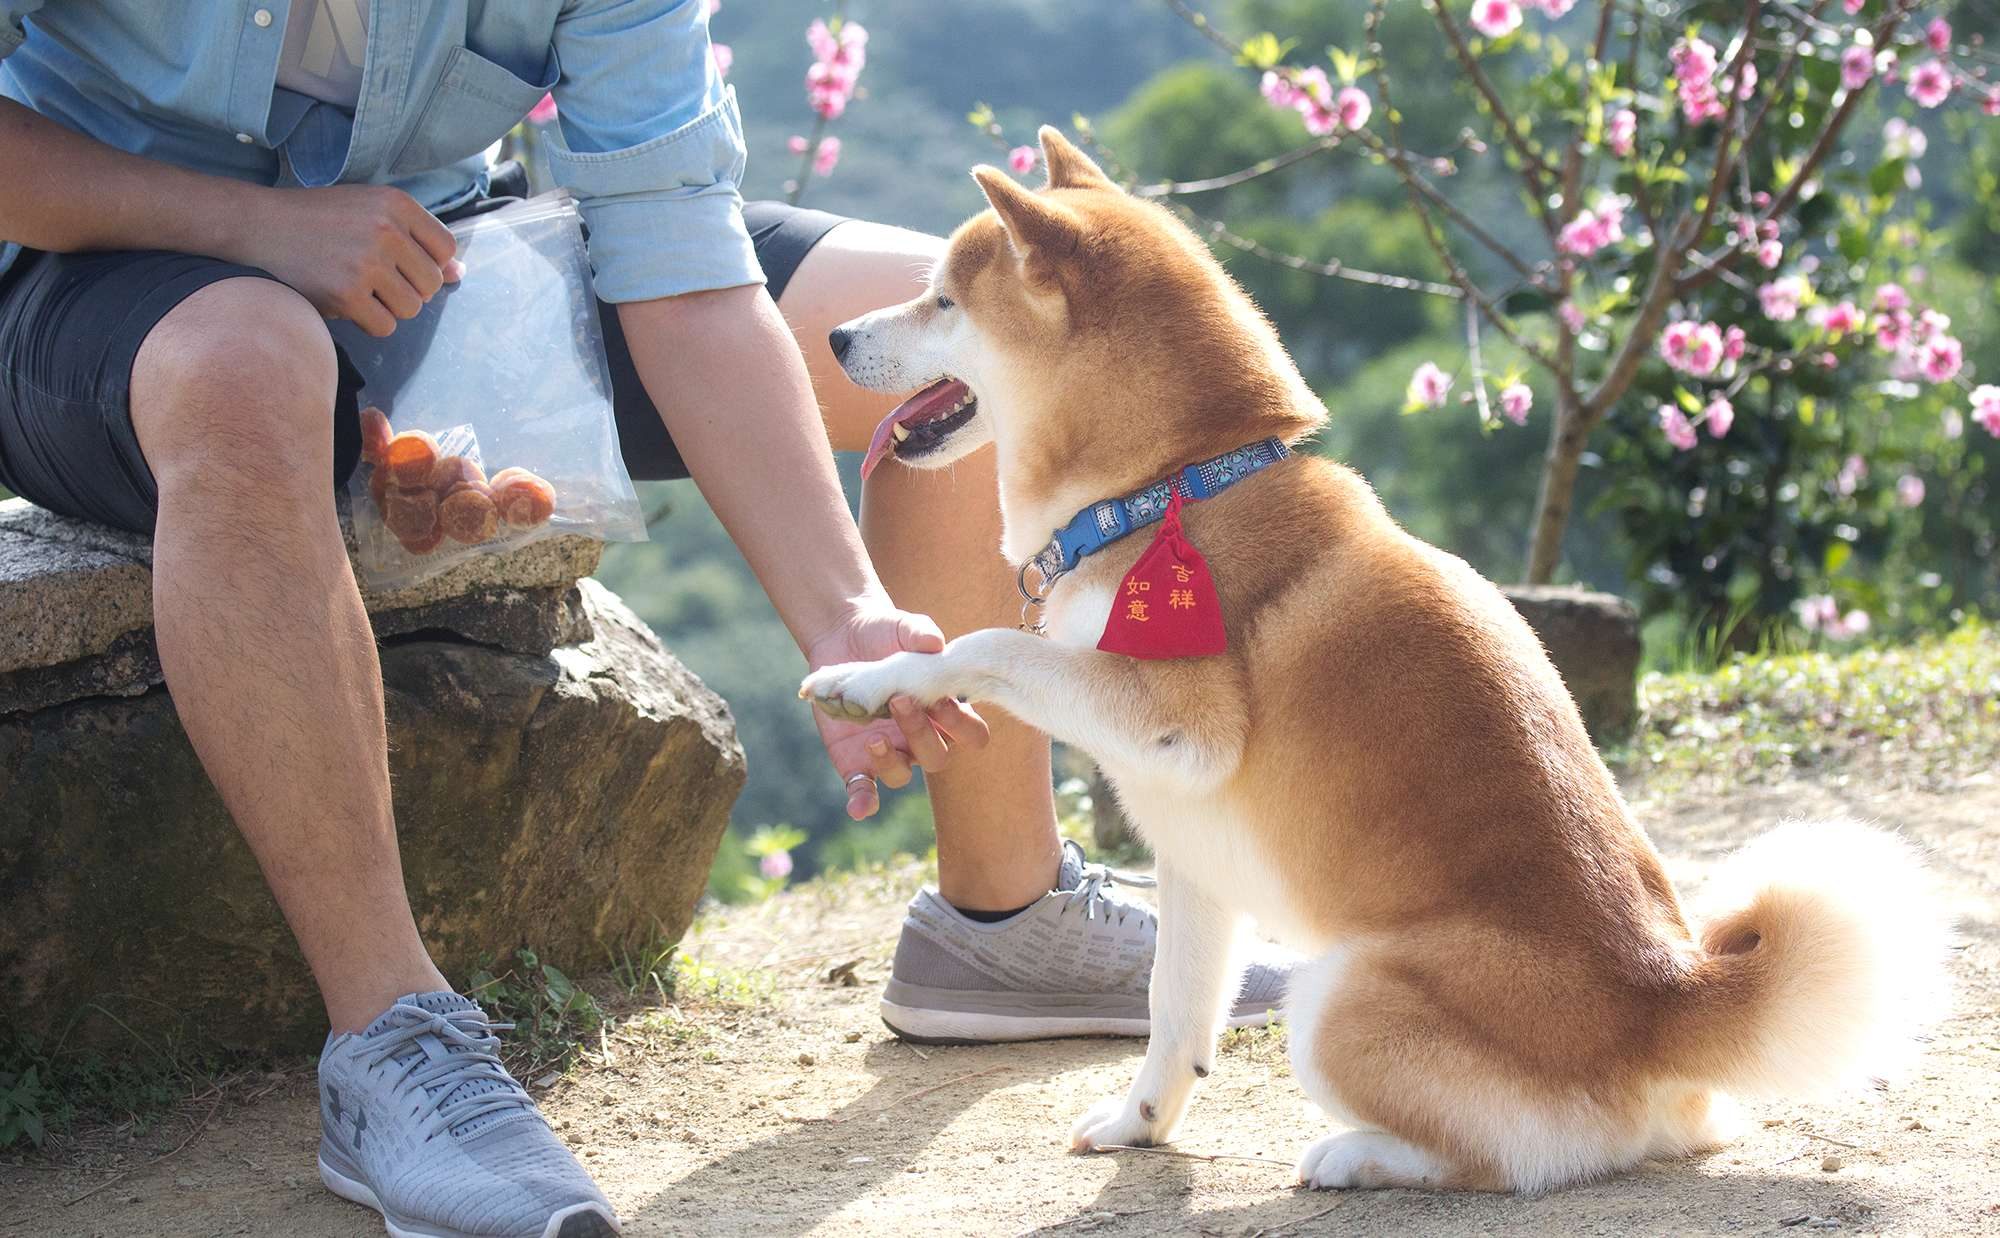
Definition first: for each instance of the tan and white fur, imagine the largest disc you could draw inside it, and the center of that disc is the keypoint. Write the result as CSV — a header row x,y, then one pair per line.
x,y
1384,769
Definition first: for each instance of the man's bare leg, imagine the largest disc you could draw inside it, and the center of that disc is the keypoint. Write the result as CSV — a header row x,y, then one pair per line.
x,y
262,635
935,539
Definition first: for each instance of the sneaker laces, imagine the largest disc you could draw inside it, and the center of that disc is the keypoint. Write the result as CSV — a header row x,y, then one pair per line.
x,y
454,1059
1093,890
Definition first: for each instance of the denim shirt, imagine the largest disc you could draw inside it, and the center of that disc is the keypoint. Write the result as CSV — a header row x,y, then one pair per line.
x,y
648,137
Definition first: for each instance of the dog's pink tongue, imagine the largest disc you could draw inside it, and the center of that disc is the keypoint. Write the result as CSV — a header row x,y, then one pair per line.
x,y
881,444
929,404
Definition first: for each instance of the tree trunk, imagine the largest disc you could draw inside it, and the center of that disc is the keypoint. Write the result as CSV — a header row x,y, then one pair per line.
x,y
1558,490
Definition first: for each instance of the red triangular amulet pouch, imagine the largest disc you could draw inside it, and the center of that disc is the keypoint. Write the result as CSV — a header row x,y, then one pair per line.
x,y
1166,606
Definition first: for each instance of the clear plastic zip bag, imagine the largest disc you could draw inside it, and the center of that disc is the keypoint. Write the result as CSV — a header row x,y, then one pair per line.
x,y
486,420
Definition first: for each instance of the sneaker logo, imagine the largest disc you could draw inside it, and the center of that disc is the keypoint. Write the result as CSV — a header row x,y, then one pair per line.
x,y
336,1110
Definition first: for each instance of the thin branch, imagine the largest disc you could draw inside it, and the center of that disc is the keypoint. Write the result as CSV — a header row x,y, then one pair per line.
x,y
1478,366
1263,167
1776,86
1332,269
1534,167
1726,147
1429,225
1199,21
1417,182
1192,1156
1821,148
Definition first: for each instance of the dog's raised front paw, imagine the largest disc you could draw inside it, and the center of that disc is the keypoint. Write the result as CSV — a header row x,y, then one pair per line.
x,y
1117,1121
860,691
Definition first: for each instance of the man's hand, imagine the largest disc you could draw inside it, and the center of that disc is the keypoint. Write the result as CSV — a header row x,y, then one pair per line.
x,y
865,753
365,253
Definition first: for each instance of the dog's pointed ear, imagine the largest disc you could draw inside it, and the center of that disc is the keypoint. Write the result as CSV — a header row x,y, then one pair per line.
x,y
1041,230
1069,168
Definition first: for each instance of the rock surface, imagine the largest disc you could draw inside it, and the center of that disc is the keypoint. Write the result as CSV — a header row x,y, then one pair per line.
x,y
1593,638
561,782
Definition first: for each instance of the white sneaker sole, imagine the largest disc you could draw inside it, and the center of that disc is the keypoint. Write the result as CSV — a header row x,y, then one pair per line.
x,y
347,1188
966,1027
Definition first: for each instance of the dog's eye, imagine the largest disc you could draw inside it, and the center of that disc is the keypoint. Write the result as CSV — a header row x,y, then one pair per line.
x,y
945,303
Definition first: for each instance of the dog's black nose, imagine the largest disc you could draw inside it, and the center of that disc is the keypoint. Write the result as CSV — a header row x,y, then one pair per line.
x,y
840,339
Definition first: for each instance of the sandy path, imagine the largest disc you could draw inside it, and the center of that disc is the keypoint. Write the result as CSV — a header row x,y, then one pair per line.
x,y
725,1129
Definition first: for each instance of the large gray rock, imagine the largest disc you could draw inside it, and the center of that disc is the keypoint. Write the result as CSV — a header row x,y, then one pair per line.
x,y
1593,638
561,782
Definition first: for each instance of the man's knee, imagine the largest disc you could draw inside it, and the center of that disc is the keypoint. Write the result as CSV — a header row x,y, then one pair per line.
x,y
235,388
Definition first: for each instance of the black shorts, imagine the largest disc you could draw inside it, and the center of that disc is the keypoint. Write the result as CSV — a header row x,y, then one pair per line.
x,y
71,326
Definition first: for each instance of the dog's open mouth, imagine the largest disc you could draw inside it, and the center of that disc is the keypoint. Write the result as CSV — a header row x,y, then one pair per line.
x,y
921,424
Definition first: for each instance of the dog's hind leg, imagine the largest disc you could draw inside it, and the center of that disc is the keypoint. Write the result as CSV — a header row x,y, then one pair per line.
x,y
1191,974
1439,1104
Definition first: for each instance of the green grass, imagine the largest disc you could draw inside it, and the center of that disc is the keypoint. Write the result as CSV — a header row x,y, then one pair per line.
x,y
1921,714
48,1088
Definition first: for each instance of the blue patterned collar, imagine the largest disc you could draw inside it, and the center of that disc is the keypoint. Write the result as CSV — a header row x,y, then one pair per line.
x,y
1107,520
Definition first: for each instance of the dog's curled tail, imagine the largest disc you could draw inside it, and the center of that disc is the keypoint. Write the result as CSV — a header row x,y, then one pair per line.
x,y
1823,965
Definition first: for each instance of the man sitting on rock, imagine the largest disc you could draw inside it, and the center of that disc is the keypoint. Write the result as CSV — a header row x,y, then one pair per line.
x,y
189,193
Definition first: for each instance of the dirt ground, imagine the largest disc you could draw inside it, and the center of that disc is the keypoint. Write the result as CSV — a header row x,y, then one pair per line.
x,y
800,1114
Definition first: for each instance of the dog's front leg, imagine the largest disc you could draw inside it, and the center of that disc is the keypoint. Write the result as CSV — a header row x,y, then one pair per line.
x,y
1184,718
1191,975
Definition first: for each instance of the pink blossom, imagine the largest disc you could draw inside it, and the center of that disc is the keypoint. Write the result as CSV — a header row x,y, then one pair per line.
x,y
1986,408
1941,356
1554,8
1428,386
544,112
1822,614
1951,423
826,157
1770,254
1839,319
838,59
1857,65
796,144
1623,132
1780,298
1678,429
1853,471
1022,160
1992,104
1719,416
1354,107
1515,401
1694,76
1592,230
1930,83
1278,90
1892,330
1938,35
723,56
1891,297
1932,322
1733,343
1494,18
1852,6
1910,490
714,7
1886,63
1818,612
1571,315
1704,350
776,866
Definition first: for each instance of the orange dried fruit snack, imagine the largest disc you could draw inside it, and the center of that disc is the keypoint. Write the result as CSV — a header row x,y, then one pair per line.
x,y
375,435
411,514
422,545
468,515
410,457
524,499
451,472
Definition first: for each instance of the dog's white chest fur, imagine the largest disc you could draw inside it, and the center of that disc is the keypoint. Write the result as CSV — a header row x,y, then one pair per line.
x,y
1199,836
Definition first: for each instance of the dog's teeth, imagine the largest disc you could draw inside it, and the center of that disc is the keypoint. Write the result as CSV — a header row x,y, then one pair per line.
x,y
900,431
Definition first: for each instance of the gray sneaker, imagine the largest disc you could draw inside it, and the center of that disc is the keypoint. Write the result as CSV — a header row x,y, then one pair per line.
x,y
1076,963
421,1122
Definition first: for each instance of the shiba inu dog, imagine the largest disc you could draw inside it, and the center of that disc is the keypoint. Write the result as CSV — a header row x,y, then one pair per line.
x,y
1378,762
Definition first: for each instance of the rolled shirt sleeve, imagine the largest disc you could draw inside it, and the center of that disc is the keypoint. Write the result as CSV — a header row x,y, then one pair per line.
x,y
13,32
649,139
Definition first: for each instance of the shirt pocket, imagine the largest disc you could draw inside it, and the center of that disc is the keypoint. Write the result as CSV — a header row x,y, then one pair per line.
x,y
473,105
